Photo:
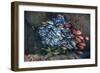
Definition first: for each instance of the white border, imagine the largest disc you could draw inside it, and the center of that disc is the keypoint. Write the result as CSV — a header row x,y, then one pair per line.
x,y
23,64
